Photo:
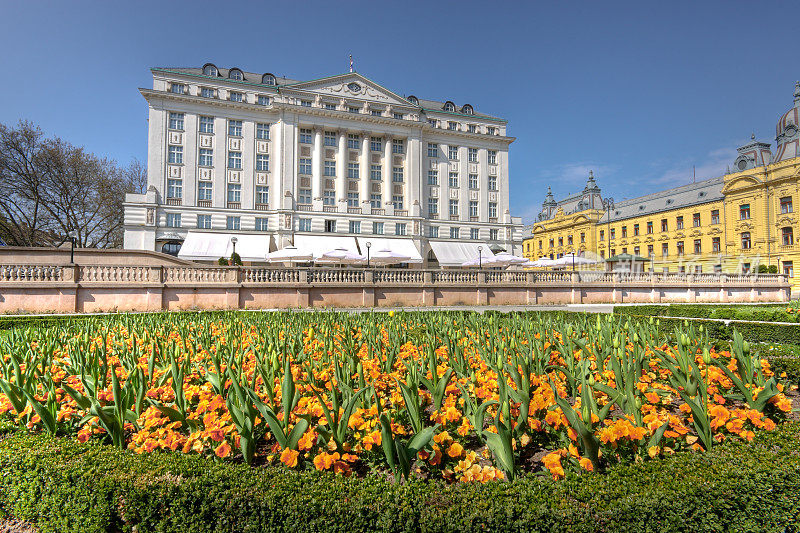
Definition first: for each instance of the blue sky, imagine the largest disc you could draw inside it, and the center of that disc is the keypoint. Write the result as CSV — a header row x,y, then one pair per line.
x,y
637,91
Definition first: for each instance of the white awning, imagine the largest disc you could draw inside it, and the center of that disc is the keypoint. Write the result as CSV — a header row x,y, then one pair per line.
x,y
458,253
208,246
405,247
319,244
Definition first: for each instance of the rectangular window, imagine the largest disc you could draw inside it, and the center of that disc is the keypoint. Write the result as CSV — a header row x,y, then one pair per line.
x,y
329,106
236,96
329,198
376,112
352,171
262,194
174,188
583,237
207,92
204,189
397,174
355,226
473,181
206,157
744,212
305,136
330,138
612,234
453,206
433,150
698,246
636,250
304,224
233,222
398,146
375,172
715,216
235,128
788,269
452,180
649,227
204,221
679,223
206,124
569,240
602,235
305,165
650,252
472,128
305,103
176,121
377,228
175,156
624,231
452,152
177,88
375,200
173,220
330,226
262,131
397,201
473,209
679,246
472,155
454,233
398,116
492,209
696,220
329,168
262,224
492,183
452,126
715,244
664,224
746,240
787,236
234,193
432,122
433,206
304,196
234,159
375,144
492,157
262,162
353,141
433,177
352,199
400,228
353,110
786,204
433,232
263,100
474,234
493,234
635,230
664,250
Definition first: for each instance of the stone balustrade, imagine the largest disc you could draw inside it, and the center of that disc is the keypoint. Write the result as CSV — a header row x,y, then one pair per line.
x,y
45,288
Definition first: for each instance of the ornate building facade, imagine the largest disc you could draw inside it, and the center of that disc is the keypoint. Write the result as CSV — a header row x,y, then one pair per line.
x,y
729,223
241,153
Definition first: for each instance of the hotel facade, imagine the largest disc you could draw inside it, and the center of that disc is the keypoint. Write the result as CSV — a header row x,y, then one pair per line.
x,y
326,163
731,223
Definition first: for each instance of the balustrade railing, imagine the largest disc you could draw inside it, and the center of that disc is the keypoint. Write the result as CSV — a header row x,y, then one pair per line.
x,y
336,275
454,276
270,275
110,273
195,275
399,276
31,273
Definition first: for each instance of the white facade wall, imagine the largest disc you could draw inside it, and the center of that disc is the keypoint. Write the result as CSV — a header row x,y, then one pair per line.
x,y
146,215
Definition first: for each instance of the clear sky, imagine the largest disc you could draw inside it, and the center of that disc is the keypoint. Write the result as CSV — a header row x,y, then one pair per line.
x,y
638,91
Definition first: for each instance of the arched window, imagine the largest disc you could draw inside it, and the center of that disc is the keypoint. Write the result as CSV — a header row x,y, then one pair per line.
x,y
450,107
746,240
171,247
413,100
236,74
268,79
467,110
210,70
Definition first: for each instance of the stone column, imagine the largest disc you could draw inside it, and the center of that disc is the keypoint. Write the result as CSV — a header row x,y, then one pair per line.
x,y
387,171
341,167
364,180
316,165
413,174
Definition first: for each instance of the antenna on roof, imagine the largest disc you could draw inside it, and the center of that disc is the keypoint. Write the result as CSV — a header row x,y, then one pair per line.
x,y
351,63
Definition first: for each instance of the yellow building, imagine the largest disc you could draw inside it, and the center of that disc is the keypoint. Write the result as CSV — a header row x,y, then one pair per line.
x,y
732,223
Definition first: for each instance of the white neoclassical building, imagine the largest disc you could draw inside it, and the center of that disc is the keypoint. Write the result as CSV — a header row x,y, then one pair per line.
x,y
321,164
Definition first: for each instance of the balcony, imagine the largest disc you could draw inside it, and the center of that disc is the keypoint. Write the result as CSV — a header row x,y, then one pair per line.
x,y
492,220
174,201
473,219
329,209
400,213
262,207
377,211
353,210
304,207
433,216
234,205
204,203
453,217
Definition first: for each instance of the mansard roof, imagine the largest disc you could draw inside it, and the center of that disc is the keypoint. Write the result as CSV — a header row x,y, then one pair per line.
x,y
698,193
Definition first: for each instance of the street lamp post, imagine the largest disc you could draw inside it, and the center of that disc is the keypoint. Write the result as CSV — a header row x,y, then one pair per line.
x,y
480,257
234,240
73,235
369,245
608,203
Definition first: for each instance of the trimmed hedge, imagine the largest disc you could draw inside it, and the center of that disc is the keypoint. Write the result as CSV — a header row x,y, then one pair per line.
x,y
62,485
754,312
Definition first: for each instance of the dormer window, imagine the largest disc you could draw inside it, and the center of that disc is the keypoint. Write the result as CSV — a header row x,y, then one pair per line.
x,y
177,88
268,79
467,110
413,100
210,70
450,107
236,74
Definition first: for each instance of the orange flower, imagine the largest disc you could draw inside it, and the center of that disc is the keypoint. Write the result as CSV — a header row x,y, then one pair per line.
x,y
289,457
455,450
223,450
586,464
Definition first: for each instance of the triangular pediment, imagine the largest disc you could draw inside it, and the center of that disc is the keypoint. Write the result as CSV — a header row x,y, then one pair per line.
x,y
351,85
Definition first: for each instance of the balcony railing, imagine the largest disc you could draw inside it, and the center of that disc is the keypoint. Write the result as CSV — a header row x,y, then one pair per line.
x,y
303,207
354,210
262,207
204,203
377,211
234,205
174,201
329,209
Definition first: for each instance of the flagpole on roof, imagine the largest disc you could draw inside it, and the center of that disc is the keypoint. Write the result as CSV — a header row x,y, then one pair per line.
x,y
351,63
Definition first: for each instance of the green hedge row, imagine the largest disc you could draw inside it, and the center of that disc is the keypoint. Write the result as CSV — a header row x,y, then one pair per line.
x,y
62,485
756,312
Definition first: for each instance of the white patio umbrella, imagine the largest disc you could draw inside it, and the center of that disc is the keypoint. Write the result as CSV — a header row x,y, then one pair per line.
x,y
341,256
506,258
387,257
290,254
482,262
544,262
568,260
